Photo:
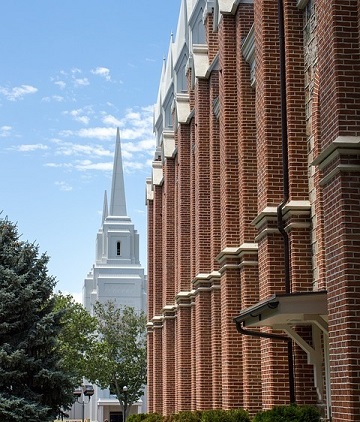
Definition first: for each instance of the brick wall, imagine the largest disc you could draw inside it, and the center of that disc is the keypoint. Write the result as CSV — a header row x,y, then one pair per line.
x,y
214,242
338,112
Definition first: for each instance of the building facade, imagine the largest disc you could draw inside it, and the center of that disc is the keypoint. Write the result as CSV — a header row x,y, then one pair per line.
x,y
116,276
254,209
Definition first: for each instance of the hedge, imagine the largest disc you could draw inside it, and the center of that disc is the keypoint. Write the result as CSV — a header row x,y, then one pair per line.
x,y
292,413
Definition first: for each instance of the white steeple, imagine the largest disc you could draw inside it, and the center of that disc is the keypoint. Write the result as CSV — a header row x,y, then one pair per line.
x,y
117,274
105,208
118,202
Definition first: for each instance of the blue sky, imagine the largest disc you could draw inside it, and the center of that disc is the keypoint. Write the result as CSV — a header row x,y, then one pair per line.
x,y
71,72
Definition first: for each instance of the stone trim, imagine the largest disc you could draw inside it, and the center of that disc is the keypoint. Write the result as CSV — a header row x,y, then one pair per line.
x,y
267,214
248,51
230,6
201,60
169,312
342,145
168,144
157,173
182,105
149,190
349,145
183,299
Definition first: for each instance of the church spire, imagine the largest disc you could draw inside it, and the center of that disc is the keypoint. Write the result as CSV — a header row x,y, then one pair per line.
x,y
105,208
118,203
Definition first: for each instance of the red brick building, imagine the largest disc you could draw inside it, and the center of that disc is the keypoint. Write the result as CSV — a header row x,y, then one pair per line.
x,y
254,209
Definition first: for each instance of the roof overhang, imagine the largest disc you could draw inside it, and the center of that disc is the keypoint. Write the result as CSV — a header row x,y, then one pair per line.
x,y
286,309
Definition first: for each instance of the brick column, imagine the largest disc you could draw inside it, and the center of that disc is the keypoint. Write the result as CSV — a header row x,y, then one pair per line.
x,y
183,248
202,178
247,211
183,353
229,177
150,368
157,248
274,368
150,302
168,264
157,301
168,360
216,364
274,361
194,391
338,142
182,273
250,345
168,237
157,384
215,239
202,331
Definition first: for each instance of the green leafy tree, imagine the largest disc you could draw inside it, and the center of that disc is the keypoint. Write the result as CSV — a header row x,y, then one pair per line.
x,y
77,336
33,382
119,357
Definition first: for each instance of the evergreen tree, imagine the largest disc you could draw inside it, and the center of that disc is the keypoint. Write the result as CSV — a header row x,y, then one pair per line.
x,y
33,384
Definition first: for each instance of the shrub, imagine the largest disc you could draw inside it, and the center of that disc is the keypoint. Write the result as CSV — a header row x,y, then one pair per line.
x,y
137,418
290,413
184,416
145,417
153,417
236,415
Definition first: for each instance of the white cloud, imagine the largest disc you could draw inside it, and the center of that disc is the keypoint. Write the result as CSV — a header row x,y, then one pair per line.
x,y
60,84
102,133
5,131
103,72
18,92
80,115
89,165
57,98
30,147
111,120
81,81
58,165
68,149
63,186
85,152
134,165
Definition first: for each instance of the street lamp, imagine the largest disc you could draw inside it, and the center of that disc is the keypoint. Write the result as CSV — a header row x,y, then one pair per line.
x,y
86,391
125,390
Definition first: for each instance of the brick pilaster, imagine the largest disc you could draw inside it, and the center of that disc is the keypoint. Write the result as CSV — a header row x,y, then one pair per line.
x,y
150,368
157,248
157,374
202,179
168,360
203,344
168,237
183,349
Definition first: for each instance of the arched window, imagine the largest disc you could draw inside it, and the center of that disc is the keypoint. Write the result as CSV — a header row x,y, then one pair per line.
x,y
118,248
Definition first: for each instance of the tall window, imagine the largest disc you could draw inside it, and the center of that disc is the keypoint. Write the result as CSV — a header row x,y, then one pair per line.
x,y
118,249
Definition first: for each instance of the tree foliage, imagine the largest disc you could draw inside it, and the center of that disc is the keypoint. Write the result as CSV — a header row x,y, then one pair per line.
x,y
33,382
119,356
77,336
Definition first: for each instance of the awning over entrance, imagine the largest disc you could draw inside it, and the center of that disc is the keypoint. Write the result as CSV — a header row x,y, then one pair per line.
x,y
287,309
285,312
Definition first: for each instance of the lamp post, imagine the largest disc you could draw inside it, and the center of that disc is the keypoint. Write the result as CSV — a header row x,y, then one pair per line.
x,y
86,391
125,390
